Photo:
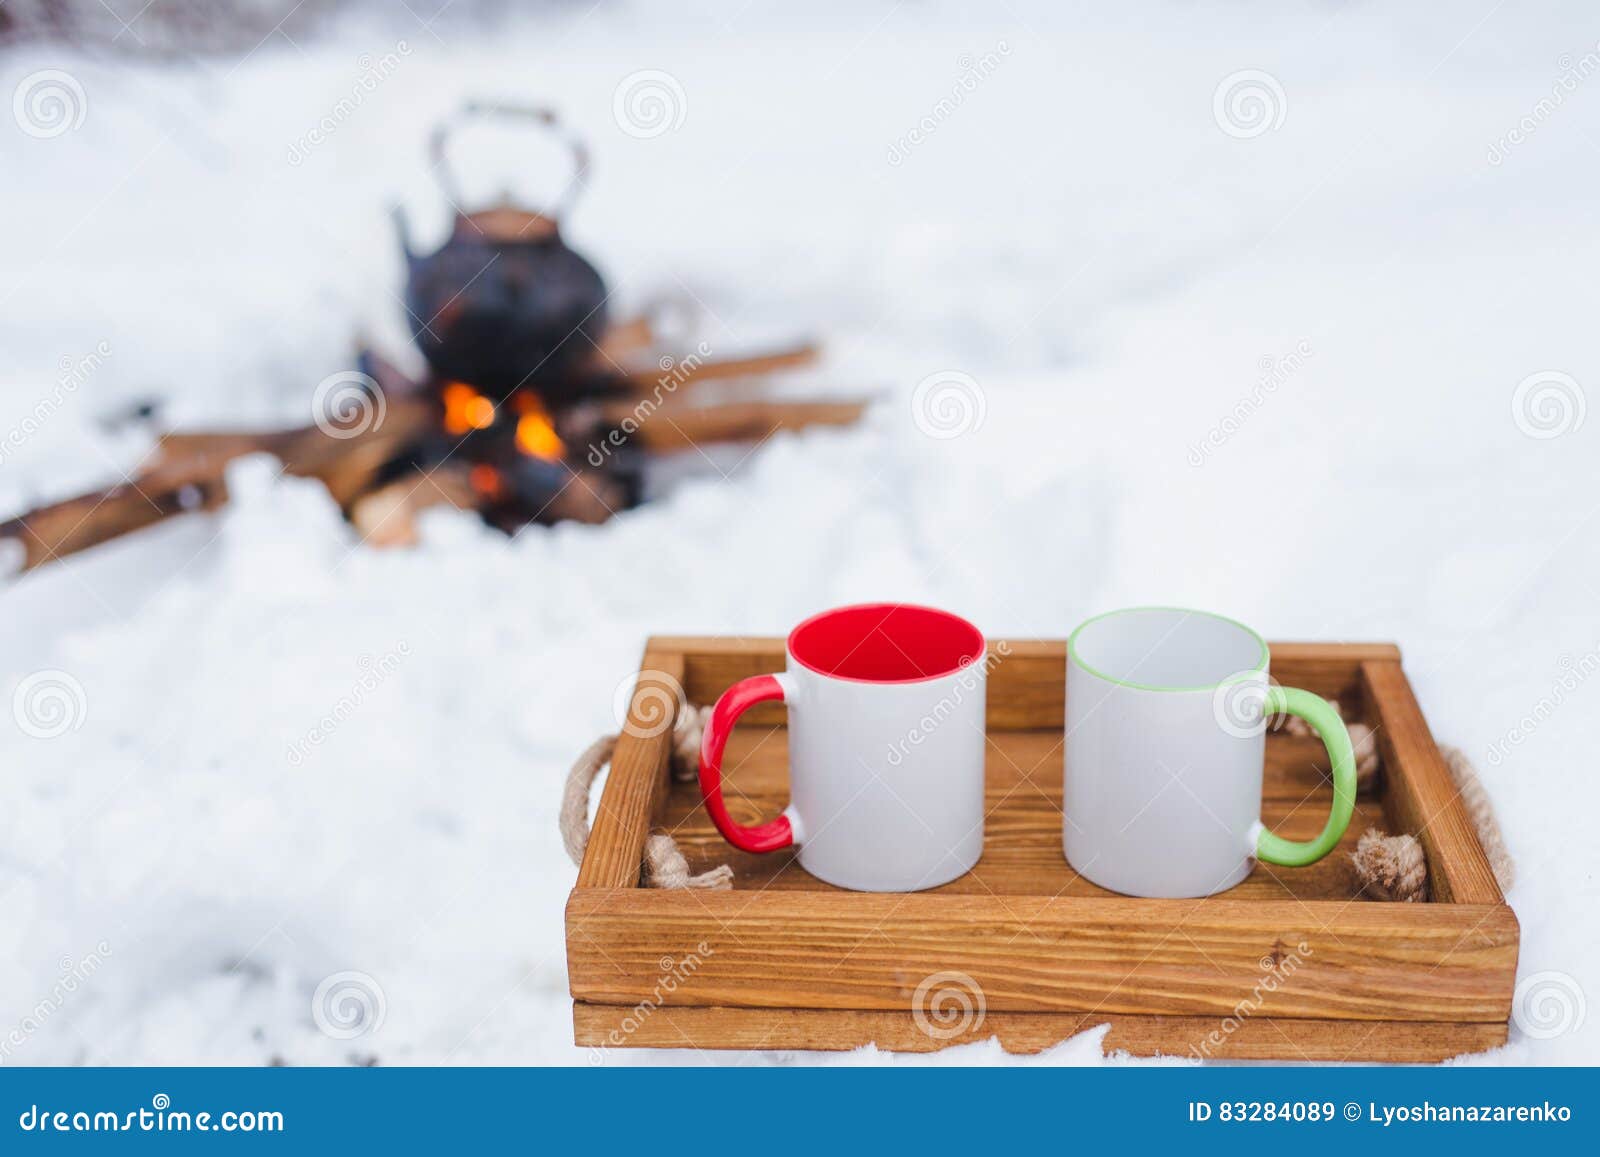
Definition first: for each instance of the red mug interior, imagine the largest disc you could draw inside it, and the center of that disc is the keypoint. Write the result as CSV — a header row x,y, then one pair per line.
x,y
886,643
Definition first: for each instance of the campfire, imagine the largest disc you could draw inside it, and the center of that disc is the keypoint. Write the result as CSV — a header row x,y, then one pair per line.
x,y
536,409
579,455
387,447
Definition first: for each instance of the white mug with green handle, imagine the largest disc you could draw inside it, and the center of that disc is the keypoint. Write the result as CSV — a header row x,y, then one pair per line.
x,y
1165,747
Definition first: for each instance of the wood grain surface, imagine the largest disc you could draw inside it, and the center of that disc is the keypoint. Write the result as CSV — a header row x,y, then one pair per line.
x,y
636,785
607,1026
784,949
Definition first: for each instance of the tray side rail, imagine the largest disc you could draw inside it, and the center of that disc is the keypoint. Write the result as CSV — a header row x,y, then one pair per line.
x,y
1420,795
636,788
1287,958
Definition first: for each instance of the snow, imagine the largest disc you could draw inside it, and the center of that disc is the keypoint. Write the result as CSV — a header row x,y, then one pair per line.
x,y
285,756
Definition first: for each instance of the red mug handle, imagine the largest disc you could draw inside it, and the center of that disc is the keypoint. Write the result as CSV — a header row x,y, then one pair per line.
x,y
734,702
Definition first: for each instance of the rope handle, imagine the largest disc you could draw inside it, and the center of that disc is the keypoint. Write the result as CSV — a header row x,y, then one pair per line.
x,y
664,864
1395,868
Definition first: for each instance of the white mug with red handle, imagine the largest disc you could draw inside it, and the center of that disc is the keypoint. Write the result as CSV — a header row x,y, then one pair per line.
x,y
886,748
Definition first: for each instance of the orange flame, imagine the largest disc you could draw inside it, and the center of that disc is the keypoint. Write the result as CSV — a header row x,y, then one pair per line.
x,y
465,409
485,480
536,433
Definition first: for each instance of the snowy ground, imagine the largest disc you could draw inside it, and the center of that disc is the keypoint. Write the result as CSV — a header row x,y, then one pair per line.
x,y
1078,233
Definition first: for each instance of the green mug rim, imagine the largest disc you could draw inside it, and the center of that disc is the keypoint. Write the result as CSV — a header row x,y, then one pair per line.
x,y
1074,657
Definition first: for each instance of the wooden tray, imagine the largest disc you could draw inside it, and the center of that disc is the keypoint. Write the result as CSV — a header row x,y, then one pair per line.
x,y
1291,964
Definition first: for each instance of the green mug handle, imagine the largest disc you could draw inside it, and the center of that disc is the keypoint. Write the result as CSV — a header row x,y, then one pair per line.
x,y
1325,721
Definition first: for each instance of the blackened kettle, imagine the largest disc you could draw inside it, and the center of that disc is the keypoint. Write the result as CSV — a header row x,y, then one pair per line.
x,y
505,302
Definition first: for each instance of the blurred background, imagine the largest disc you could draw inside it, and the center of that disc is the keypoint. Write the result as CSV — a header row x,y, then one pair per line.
x,y
1278,310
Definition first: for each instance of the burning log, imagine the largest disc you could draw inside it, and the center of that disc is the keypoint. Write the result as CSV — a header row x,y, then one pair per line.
x,y
347,464
75,524
188,475
387,516
693,368
450,445
677,426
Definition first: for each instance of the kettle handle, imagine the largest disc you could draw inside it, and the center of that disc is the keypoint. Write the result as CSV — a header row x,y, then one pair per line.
x,y
546,117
